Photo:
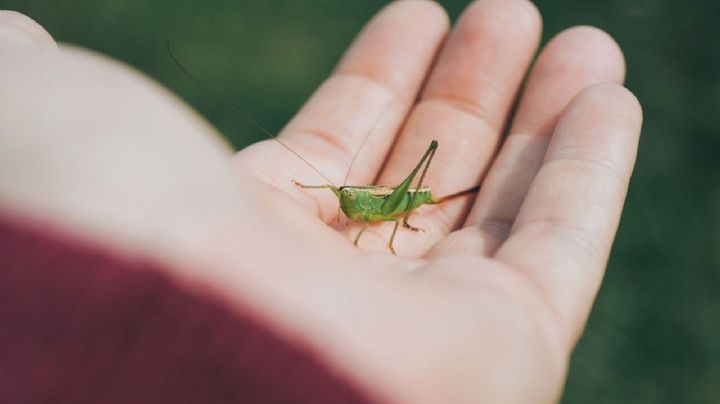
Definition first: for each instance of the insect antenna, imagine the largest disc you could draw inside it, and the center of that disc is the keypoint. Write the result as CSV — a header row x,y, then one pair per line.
x,y
237,110
365,139
357,152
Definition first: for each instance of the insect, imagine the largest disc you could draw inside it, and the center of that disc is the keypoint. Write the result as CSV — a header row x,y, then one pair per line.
x,y
366,204
380,203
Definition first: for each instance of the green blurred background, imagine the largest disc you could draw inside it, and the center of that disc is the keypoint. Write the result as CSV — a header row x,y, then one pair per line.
x,y
654,334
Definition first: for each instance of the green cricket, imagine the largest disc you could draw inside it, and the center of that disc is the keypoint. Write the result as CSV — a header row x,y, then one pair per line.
x,y
381,203
366,204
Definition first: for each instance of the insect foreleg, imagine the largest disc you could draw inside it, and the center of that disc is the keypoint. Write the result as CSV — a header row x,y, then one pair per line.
x,y
333,188
362,230
392,238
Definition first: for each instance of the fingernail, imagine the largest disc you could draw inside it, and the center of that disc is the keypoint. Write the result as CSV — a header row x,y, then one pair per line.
x,y
20,30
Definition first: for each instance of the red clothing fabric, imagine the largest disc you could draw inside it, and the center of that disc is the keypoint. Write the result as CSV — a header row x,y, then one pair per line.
x,y
81,325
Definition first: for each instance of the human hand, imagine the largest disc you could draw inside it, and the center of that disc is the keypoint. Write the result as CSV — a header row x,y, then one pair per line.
x,y
490,300
487,303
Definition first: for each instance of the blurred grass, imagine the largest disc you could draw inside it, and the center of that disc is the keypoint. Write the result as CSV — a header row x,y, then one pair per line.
x,y
654,335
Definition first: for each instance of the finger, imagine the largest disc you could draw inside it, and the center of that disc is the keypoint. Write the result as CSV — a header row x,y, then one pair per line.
x,y
562,236
572,61
20,30
372,88
464,107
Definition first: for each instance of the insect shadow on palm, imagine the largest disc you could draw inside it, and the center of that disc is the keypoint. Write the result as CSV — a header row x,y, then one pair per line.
x,y
365,204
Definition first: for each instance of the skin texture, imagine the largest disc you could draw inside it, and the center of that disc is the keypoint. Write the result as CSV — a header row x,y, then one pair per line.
x,y
486,305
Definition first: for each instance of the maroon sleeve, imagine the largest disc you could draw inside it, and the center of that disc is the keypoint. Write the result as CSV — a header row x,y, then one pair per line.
x,y
81,325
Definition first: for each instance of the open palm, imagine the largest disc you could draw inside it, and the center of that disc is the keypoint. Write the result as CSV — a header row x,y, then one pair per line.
x,y
489,300
485,305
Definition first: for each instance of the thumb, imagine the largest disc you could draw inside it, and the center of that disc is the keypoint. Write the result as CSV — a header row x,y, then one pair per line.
x,y
20,30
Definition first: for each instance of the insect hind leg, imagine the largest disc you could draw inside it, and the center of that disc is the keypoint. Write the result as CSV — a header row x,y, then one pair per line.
x,y
410,227
429,154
